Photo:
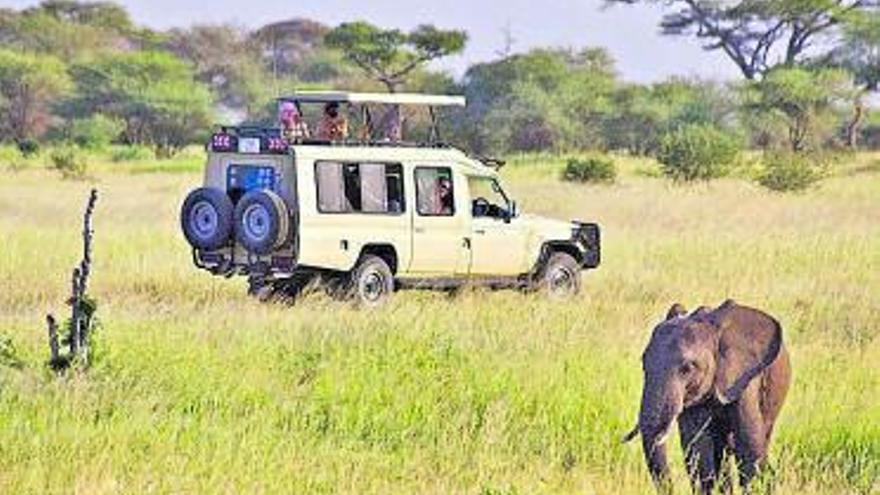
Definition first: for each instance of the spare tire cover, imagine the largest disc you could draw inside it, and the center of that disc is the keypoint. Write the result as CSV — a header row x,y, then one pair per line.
x,y
262,221
206,218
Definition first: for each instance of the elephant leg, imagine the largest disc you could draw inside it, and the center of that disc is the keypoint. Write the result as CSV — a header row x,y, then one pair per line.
x,y
699,444
750,436
723,452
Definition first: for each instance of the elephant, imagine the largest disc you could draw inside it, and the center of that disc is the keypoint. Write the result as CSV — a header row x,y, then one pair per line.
x,y
723,374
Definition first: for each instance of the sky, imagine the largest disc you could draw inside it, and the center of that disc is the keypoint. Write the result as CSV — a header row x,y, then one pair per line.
x,y
630,33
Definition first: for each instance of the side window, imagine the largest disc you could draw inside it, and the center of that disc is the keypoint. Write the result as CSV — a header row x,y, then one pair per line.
x,y
359,187
435,196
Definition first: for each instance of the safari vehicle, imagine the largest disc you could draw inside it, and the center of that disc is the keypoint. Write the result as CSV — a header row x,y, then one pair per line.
x,y
365,217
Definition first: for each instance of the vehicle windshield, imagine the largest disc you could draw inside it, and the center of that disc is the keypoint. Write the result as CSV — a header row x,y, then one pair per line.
x,y
488,199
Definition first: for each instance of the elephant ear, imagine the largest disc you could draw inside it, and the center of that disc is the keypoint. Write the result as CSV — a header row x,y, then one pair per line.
x,y
675,311
749,341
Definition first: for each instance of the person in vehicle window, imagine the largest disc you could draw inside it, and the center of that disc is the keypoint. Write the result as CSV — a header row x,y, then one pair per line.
x,y
444,191
293,127
333,126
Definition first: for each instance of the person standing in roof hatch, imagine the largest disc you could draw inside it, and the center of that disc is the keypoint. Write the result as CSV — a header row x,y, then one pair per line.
x,y
293,127
333,126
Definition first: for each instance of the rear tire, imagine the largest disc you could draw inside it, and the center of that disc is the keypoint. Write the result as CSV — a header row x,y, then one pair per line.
x,y
206,218
371,283
560,278
262,221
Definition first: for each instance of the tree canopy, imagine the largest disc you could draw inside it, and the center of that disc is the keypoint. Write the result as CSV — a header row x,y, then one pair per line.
x,y
29,84
390,55
758,35
803,99
87,73
153,93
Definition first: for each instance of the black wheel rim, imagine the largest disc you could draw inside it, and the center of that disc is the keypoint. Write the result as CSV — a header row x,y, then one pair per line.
x,y
561,280
373,286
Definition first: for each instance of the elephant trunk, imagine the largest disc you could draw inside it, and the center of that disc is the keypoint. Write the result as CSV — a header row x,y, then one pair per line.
x,y
660,407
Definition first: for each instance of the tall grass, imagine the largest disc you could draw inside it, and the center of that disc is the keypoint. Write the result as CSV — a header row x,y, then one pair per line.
x,y
199,389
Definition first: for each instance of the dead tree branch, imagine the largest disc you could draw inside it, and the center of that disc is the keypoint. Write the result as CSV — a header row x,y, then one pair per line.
x,y
82,307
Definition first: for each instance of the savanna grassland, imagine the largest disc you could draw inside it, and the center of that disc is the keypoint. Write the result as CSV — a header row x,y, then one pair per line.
x,y
200,389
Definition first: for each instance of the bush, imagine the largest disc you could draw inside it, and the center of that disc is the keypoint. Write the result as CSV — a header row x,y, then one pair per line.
x,y
11,157
592,169
68,160
95,132
697,152
8,354
28,147
131,153
786,172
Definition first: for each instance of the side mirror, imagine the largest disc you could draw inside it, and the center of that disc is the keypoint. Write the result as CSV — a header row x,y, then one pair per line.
x,y
510,213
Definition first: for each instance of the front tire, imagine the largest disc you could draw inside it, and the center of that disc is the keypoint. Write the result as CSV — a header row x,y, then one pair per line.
x,y
561,276
371,283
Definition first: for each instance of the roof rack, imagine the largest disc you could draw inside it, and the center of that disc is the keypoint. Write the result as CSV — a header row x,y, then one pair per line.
x,y
396,99
376,98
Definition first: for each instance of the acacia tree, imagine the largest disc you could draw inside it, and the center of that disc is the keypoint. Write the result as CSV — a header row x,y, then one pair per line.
x,y
803,100
859,53
69,29
758,35
539,100
389,55
154,94
287,45
227,60
28,86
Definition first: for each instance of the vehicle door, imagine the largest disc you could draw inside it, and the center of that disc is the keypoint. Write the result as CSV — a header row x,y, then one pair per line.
x,y
439,222
498,238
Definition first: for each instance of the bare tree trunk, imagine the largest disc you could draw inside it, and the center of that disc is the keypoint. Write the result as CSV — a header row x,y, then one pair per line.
x,y
81,320
75,312
80,307
854,127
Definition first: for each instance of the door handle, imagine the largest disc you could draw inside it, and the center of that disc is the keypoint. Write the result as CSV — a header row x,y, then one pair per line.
x,y
480,231
419,230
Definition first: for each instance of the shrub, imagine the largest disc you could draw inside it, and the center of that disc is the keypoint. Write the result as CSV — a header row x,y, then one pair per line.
x,y
8,354
68,160
12,158
95,132
697,152
592,169
131,153
28,147
785,172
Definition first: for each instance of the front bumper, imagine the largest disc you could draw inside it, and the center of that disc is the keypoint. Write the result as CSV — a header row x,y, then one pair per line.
x,y
588,237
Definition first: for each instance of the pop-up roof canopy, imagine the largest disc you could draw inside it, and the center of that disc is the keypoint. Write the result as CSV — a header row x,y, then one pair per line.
x,y
377,98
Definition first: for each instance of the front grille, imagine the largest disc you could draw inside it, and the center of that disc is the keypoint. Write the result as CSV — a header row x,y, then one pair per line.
x,y
588,236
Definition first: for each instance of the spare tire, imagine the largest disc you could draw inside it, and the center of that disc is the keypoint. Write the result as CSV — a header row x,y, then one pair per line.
x,y
206,218
262,221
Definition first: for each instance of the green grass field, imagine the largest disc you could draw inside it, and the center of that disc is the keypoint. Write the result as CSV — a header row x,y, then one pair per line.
x,y
199,389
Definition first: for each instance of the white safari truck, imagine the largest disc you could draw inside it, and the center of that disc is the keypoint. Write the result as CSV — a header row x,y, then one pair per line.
x,y
365,217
